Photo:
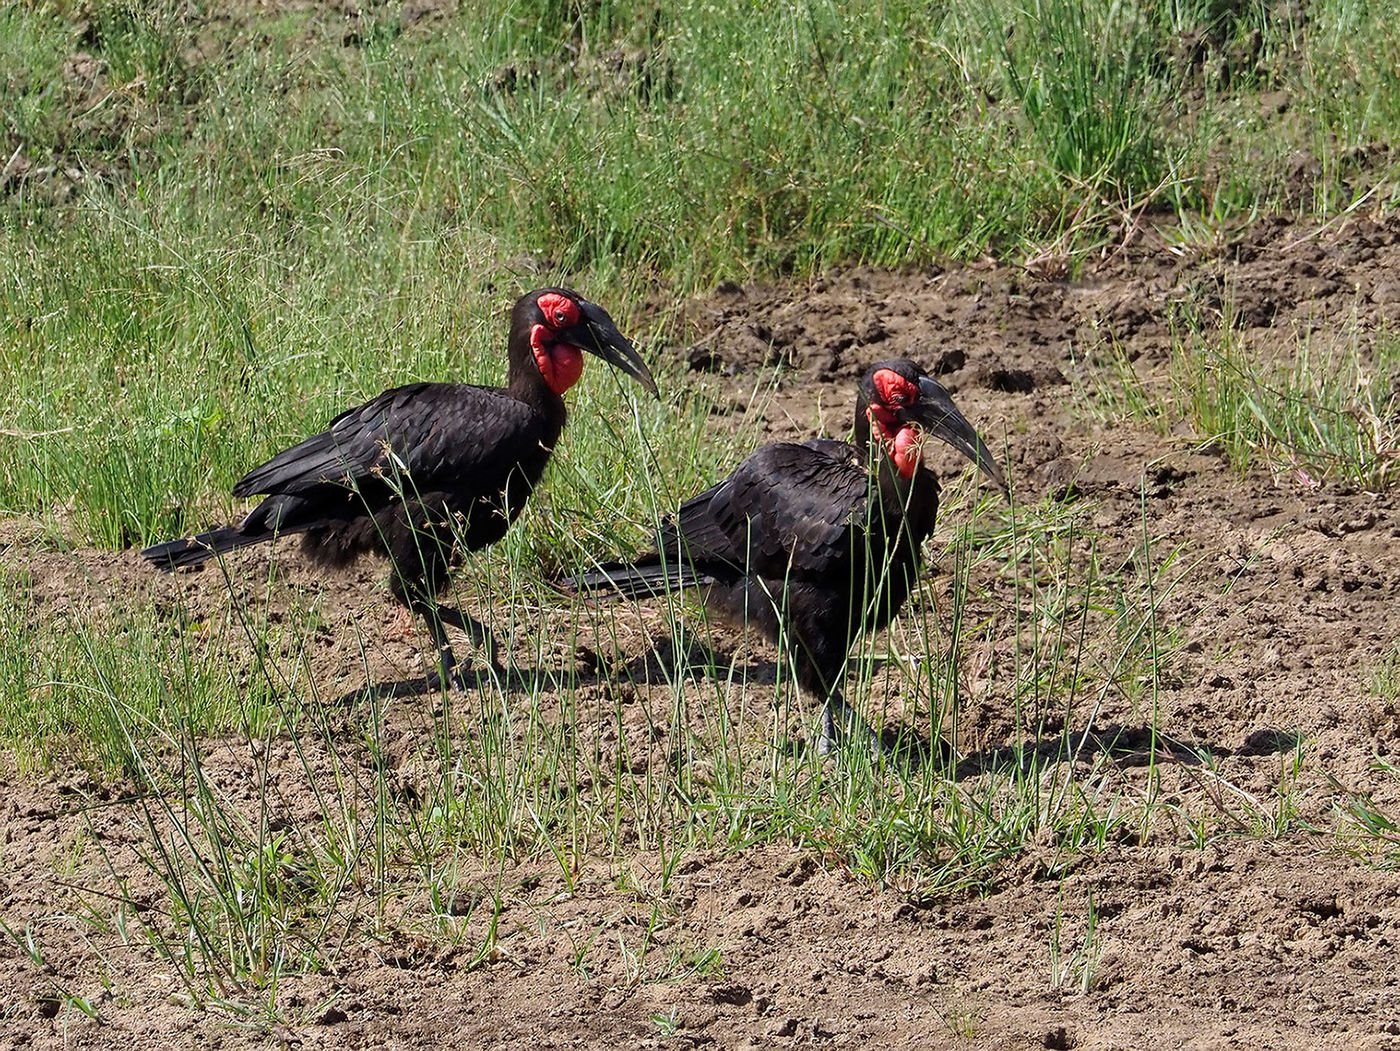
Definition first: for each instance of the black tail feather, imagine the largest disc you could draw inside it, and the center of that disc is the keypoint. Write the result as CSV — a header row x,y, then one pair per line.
x,y
192,550
640,580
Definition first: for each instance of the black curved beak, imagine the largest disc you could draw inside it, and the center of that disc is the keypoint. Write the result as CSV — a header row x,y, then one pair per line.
x,y
937,415
597,334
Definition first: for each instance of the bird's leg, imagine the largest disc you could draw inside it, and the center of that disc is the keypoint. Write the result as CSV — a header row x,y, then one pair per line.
x,y
481,636
840,720
435,617
447,660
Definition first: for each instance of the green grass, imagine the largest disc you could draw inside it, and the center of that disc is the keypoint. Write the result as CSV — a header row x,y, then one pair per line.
x,y
69,683
1385,679
211,281
1366,827
1330,412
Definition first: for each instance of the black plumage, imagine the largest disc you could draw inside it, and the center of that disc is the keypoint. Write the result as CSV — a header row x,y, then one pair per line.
x,y
814,544
424,472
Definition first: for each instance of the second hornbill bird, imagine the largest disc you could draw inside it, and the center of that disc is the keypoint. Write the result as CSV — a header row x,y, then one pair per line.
x,y
818,542
422,472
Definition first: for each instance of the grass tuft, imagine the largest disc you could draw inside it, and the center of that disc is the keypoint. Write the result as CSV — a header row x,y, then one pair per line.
x,y
1330,414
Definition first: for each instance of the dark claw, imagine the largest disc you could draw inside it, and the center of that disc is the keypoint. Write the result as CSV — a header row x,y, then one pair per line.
x,y
850,723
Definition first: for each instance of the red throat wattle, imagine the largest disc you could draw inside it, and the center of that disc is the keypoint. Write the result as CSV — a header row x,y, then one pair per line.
x,y
561,364
892,393
905,451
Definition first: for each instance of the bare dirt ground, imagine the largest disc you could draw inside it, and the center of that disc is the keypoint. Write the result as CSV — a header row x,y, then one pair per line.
x,y
1251,940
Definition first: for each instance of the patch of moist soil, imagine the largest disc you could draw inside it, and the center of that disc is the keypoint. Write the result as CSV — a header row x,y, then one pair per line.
x,y
1285,605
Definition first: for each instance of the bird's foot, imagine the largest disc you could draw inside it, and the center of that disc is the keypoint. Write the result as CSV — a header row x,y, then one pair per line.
x,y
461,678
402,629
841,723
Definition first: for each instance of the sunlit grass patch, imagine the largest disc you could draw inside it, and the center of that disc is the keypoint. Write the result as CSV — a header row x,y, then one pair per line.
x,y
214,282
1367,827
1091,85
1329,412
71,683
1385,679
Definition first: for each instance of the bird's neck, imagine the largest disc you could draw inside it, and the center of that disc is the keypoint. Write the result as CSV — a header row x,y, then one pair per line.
x,y
528,385
524,381
916,496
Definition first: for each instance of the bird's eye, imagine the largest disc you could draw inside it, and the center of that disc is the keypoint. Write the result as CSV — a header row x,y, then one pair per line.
x,y
893,390
557,310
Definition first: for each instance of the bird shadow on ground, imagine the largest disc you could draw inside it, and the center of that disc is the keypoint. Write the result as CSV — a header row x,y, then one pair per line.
x,y
419,686
531,681
907,747
663,661
1127,746
666,661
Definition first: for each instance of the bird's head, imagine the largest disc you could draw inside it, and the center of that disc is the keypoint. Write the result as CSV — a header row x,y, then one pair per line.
x,y
558,325
900,405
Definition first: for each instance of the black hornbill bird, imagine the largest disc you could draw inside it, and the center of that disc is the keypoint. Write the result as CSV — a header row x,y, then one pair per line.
x,y
818,542
424,471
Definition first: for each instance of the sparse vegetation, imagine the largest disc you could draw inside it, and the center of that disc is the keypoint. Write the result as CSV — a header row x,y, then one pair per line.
x,y
1385,679
1329,413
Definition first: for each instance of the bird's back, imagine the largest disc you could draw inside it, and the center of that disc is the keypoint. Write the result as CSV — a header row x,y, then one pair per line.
x,y
433,435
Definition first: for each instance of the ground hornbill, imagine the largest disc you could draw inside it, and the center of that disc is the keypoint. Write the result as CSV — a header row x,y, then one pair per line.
x,y
815,543
424,471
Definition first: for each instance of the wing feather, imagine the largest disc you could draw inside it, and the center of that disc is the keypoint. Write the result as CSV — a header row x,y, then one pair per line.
x,y
786,509
427,430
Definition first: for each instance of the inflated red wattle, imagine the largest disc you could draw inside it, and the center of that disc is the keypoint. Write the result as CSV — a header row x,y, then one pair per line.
x,y
561,364
906,450
568,366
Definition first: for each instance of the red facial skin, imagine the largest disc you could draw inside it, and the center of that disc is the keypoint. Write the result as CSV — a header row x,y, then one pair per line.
x,y
559,363
900,440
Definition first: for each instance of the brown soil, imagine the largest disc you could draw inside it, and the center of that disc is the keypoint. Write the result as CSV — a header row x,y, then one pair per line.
x,y
1271,934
